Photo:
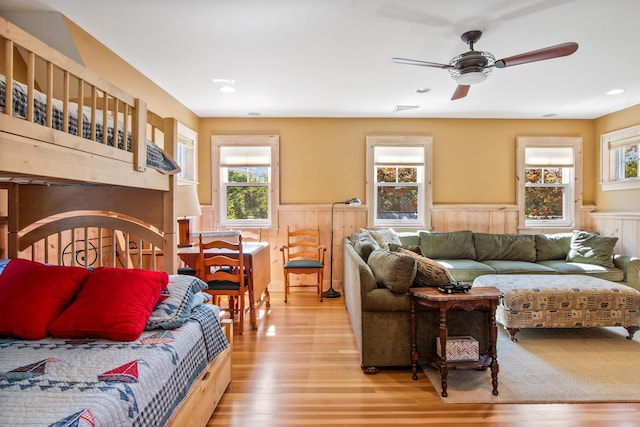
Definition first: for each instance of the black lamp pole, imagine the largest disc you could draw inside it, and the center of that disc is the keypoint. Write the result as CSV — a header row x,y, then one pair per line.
x,y
332,293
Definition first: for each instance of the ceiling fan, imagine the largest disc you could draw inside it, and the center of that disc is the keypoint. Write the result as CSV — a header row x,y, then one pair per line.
x,y
475,66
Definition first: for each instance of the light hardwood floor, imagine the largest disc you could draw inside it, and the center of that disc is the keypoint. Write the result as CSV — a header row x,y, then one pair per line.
x,y
301,368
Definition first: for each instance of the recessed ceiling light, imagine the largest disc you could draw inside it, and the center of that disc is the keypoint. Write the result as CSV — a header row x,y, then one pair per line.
x,y
253,114
423,90
615,91
549,115
399,108
227,89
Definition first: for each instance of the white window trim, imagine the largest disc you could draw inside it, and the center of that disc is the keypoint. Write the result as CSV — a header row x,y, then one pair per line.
x,y
190,136
608,178
217,196
573,220
424,210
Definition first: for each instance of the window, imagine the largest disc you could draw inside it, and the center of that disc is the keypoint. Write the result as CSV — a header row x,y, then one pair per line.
x,y
399,180
245,179
620,158
186,155
549,181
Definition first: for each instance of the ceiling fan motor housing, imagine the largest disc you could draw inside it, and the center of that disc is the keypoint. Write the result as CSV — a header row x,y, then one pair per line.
x,y
472,67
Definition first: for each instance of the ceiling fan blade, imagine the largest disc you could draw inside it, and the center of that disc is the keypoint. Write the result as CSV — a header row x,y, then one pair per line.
x,y
421,63
461,92
550,52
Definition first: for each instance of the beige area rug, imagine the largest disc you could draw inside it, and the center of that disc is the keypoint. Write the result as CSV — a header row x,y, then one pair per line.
x,y
553,365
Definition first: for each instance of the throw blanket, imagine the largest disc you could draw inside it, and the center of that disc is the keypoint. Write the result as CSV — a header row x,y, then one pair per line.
x,y
156,157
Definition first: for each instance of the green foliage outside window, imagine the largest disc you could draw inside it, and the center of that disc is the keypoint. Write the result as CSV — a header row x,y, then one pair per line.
x,y
544,202
631,161
246,201
397,200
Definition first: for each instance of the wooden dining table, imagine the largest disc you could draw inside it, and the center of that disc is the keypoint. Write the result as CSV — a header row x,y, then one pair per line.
x,y
257,264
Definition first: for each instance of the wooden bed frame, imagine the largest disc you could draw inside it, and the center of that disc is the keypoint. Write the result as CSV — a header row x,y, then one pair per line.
x,y
75,201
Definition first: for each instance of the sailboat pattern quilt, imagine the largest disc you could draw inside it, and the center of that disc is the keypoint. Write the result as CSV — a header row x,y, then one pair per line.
x,y
95,382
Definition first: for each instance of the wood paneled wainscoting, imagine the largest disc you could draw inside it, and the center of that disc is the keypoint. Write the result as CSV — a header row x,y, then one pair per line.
x,y
489,218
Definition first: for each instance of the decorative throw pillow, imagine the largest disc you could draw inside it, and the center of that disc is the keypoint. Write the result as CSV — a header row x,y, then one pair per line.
x,y
591,248
365,244
32,295
385,236
429,272
176,308
394,270
114,303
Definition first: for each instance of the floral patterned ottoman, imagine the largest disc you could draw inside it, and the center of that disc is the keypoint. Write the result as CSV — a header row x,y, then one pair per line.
x,y
563,301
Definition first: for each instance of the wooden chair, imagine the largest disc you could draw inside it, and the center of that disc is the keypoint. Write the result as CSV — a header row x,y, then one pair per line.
x,y
303,254
224,274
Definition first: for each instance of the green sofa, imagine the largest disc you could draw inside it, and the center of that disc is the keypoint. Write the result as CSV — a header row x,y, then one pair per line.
x,y
378,303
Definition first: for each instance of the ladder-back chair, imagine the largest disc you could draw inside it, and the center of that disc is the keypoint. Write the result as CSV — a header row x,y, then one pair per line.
x,y
221,266
303,254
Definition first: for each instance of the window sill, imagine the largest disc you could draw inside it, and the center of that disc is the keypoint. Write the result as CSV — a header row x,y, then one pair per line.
x,y
628,184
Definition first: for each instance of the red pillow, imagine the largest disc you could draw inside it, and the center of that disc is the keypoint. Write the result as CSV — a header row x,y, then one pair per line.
x,y
114,303
32,295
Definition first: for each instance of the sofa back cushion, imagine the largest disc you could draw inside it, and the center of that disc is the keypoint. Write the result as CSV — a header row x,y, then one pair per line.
x,y
393,270
507,247
448,245
552,246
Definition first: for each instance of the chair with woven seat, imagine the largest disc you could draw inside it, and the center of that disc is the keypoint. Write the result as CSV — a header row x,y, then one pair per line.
x,y
221,266
303,254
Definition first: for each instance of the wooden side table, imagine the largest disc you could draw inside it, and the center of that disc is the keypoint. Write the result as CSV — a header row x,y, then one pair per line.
x,y
484,298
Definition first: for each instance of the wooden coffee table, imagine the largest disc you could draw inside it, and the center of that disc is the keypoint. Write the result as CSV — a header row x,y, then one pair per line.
x,y
485,299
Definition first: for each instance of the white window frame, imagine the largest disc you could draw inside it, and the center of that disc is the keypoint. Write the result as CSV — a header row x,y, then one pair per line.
x,y
609,158
187,154
574,196
218,188
425,188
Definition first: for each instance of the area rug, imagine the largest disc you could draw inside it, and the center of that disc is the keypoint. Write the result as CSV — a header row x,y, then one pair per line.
x,y
553,366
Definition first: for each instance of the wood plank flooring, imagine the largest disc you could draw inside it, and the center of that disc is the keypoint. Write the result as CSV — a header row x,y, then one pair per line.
x,y
301,368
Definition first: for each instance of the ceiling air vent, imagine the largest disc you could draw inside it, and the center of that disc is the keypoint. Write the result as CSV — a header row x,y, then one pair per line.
x,y
400,108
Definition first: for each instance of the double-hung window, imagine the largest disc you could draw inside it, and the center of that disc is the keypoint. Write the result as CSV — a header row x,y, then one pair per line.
x,y
549,181
245,179
399,180
620,157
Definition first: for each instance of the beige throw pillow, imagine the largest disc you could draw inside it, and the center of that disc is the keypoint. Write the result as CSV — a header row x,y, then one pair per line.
x,y
429,272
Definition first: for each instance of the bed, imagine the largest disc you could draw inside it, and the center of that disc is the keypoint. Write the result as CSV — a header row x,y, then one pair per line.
x,y
87,174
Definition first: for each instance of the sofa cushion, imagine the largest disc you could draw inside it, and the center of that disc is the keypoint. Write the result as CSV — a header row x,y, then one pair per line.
x,y
591,248
364,244
385,236
552,246
509,247
599,271
428,272
519,267
465,269
393,270
448,245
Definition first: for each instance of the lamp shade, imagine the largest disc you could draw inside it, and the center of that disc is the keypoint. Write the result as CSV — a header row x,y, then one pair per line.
x,y
187,203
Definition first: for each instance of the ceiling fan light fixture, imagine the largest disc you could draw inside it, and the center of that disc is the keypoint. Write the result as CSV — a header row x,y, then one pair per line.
x,y
472,67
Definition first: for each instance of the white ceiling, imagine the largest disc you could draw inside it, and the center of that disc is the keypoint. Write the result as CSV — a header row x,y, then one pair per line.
x,y
332,58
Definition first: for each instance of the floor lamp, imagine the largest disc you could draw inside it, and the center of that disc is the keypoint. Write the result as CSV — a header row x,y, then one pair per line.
x,y
332,293
187,205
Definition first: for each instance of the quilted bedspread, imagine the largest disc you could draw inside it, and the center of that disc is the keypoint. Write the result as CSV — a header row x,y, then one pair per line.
x,y
156,157
57,382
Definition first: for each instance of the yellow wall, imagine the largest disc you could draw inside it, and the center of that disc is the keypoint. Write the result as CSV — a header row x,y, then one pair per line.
x,y
102,61
322,160
619,200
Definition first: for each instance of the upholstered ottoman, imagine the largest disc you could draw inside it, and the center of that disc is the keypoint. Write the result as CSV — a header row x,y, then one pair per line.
x,y
562,301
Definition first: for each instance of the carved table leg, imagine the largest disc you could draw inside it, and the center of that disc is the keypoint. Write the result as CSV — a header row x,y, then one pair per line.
x,y
632,330
414,340
444,369
493,351
512,333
